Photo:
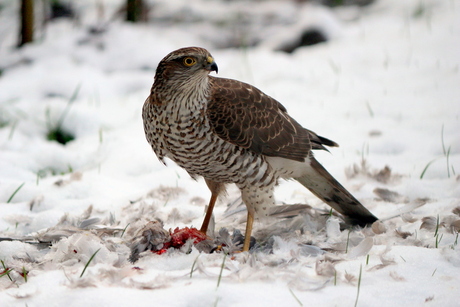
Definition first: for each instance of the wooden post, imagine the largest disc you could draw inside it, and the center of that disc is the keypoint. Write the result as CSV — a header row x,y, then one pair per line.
x,y
133,9
27,22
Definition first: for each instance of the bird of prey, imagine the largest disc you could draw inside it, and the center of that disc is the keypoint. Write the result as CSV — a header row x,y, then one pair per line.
x,y
228,131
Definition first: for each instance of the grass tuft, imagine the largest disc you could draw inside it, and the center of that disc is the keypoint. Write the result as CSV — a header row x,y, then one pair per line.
x,y
53,172
59,135
446,153
55,132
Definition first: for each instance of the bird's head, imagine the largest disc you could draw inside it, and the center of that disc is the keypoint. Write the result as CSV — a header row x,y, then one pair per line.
x,y
185,63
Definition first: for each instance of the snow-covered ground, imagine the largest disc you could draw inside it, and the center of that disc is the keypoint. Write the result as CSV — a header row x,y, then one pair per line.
x,y
386,87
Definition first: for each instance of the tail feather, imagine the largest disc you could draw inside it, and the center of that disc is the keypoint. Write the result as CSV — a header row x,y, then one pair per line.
x,y
329,190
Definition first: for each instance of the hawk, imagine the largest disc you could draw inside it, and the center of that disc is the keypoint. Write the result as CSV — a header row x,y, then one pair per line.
x,y
227,131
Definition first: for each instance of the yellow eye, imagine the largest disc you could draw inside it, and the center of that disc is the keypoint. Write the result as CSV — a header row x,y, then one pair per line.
x,y
189,61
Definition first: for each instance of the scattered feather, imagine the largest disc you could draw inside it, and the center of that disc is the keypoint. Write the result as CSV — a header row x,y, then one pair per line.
x,y
419,202
307,284
166,193
384,175
390,196
23,292
89,222
408,218
402,234
361,249
289,211
456,210
76,176
429,223
396,276
454,227
385,261
378,227
325,268
350,278
310,250
151,237
333,228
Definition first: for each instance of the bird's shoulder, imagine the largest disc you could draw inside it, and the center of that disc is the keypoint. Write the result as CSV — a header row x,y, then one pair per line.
x,y
245,116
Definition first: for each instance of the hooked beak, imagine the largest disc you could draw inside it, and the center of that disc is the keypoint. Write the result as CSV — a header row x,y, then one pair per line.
x,y
211,65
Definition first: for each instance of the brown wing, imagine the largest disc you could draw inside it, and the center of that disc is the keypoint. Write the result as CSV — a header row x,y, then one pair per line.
x,y
242,115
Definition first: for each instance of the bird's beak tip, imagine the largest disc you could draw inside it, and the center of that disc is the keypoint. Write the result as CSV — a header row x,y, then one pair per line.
x,y
211,65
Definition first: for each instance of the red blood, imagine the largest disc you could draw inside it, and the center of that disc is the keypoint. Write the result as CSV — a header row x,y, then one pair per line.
x,y
180,236
161,251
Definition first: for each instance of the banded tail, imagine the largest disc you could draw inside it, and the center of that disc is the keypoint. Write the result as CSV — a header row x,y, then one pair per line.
x,y
329,190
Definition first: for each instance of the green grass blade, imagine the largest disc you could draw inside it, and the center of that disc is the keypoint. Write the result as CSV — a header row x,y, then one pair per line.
x,y
124,229
348,241
221,271
193,266
295,297
447,159
24,273
6,271
359,284
69,104
442,140
15,192
89,261
425,169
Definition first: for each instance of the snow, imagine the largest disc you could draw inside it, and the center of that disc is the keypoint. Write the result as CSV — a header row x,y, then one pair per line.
x,y
385,87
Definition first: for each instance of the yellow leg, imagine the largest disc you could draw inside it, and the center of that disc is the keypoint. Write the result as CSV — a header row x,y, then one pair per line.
x,y
207,218
247,235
